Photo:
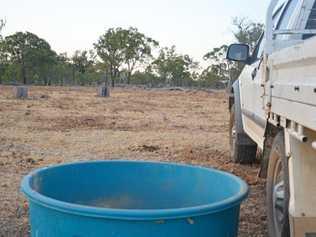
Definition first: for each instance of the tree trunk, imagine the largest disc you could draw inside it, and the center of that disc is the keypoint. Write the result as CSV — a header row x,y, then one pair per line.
x,y
129,75
112,79
23,73
73,75
45,81
113,84
113,75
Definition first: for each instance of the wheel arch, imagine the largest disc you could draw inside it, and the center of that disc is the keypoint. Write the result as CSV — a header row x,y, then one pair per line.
x,y
271,131
237,107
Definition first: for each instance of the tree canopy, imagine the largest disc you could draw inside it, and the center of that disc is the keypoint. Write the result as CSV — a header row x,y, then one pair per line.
x,y
246,31
174,69
31,54
138,49
124,49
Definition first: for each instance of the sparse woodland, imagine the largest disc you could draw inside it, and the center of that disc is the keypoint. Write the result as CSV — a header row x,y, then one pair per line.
x,y
124,56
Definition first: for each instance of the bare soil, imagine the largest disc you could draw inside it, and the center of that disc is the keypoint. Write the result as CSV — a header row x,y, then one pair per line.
x,y
58,124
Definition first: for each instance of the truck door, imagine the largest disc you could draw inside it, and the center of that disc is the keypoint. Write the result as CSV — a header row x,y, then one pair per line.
x,y
253,113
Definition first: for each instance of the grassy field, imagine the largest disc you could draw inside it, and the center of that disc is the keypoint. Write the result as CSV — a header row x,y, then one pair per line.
x,y
58,125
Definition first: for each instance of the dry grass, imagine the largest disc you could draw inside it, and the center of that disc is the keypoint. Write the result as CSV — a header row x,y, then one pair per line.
x,y
58,125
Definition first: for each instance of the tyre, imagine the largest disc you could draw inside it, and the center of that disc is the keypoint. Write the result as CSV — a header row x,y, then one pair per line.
x,y
239,151
278,190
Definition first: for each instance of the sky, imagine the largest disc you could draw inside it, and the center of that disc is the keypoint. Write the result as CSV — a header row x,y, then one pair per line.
x,y
194,26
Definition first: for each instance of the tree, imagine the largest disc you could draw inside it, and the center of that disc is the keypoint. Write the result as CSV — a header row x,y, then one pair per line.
x,y
2,24
30,53
120,47
208,78
2,58
219,65
62,70
173,68
138,49
110,48
82,61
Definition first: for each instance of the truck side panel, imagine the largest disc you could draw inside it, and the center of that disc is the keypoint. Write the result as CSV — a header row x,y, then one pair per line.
x,y
293,83
292,102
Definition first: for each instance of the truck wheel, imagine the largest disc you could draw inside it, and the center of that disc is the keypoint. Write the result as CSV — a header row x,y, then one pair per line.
x,y
278,190
239,153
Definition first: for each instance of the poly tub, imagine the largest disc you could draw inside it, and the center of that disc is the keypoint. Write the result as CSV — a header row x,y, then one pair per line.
x,y
133,199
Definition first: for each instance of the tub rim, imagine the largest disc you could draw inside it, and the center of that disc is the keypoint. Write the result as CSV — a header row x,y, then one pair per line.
x,y
134,214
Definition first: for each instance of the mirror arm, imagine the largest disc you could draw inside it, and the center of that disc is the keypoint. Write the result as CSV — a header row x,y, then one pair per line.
x,y
249,60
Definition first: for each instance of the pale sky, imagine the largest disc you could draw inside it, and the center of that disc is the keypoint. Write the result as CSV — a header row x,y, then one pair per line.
x,y
194,26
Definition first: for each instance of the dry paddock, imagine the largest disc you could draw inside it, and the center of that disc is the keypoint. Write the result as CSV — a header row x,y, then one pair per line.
x,y
58,125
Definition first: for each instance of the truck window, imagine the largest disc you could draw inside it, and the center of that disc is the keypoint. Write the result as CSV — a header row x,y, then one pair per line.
x,y
258,51
277,14
283,24
311,22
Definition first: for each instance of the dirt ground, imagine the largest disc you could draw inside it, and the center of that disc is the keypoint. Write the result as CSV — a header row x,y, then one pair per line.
x,y
57,125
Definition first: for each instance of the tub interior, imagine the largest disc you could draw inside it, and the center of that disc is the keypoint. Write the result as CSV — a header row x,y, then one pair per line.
x,y
134,185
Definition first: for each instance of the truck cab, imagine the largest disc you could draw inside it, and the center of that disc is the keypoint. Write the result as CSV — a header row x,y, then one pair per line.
x,y
273,110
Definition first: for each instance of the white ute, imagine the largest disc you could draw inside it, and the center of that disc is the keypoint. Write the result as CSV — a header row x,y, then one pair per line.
x,y
273,109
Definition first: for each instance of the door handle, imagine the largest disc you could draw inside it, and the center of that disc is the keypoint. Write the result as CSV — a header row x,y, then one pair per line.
x,y
254,73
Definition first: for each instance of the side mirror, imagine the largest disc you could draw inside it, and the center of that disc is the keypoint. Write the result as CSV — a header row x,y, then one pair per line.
x,y
238,53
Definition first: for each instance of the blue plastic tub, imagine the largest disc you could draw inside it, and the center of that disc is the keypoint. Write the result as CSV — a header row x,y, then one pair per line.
x,y
133,199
